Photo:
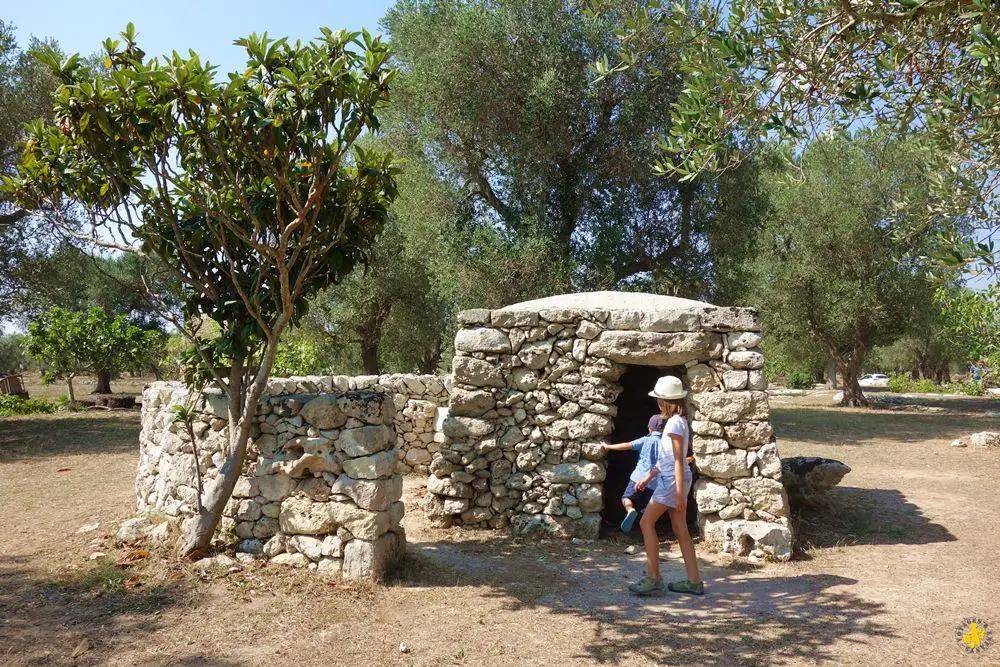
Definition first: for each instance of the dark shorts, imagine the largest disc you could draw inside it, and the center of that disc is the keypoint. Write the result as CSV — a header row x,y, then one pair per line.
x,y
639,498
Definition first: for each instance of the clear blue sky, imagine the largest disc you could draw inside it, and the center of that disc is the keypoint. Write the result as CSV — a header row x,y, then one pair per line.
x,y
209,27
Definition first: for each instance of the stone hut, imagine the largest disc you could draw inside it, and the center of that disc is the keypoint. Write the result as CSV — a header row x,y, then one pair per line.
x,y
538,386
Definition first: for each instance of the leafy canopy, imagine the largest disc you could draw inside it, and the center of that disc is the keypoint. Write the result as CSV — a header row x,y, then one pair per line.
x,y
246,187
68,343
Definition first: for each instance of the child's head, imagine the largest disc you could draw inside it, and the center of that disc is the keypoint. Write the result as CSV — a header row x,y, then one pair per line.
x,y
655,423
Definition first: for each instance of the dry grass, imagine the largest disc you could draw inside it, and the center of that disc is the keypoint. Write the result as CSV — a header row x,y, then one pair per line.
x,y
896,558
82,386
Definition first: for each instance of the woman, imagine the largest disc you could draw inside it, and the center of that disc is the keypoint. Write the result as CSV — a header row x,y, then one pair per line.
x,y
673,481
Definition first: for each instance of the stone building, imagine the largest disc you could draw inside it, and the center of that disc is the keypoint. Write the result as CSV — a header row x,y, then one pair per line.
x,y
537,386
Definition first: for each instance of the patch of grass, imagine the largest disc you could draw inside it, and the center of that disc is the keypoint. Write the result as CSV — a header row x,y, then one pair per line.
x,y
11,406
78,433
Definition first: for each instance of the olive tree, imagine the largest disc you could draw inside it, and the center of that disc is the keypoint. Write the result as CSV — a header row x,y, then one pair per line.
x,y
248,187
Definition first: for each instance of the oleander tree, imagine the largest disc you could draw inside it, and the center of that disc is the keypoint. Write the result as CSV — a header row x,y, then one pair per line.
x,y
248,187
68,343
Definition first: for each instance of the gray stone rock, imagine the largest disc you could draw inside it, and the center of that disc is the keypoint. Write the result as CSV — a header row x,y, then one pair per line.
x,y
585,426
290,560
701,377
735,380
524,379
710,496
749,434
809,476
701,445
305,517
985,439
371,494
373,560
475,372
768,461
731,406
324,412
474,316
756,380
764,494
514,318
130,531
743,538
276,487
376,466
655,349
535,355
707,428
470,403
449,487
463,428
681,319
730,319
310,547
743,340
482,340
365,440
746,359
572,473
729,464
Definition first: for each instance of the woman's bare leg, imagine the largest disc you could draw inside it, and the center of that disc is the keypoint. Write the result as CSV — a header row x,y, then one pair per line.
x,y
654,511
679,522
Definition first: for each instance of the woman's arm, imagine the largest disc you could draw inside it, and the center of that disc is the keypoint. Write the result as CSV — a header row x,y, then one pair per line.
x,y
679,461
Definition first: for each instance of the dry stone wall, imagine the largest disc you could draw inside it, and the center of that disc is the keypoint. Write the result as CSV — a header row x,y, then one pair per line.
x,y
320,487
533,398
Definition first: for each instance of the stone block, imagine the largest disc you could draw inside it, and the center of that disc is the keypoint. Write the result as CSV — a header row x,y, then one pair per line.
x,y
746,359
749,434
743,340
655,349
482,339
470,403
474,316
572,473
731,406
710,496
682,319
729,464
371,494
374,559
476,372
375,466
365,440
514,318
764,494
730,319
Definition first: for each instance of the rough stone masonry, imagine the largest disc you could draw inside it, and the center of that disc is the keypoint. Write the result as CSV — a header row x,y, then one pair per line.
x,y
320,488
533,397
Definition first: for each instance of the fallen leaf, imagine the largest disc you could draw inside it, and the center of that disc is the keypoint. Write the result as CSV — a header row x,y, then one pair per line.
x,y
64,470
133,556
81,648
132,583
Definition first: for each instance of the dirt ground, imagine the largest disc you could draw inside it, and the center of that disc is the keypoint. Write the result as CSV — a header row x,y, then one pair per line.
x,y
905,550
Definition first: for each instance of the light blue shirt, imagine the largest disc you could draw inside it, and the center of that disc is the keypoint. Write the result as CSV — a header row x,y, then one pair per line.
x,y
647,447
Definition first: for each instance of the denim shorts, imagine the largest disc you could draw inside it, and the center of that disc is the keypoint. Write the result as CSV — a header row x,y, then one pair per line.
x,y
666,490
639,498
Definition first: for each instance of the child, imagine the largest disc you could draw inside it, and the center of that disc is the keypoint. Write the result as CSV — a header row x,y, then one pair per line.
x,y
633,500
673,482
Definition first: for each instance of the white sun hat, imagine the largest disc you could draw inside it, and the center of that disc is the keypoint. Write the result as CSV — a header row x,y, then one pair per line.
x,y
668,387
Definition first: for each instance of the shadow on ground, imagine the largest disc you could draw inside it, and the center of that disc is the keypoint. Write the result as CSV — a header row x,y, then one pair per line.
x,y
44,619
24,438
848,515
845,427
746,618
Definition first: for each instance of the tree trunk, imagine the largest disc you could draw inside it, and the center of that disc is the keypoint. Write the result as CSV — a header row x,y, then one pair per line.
x,y
72,396
103,382
369,356
831,374
241,418
853,396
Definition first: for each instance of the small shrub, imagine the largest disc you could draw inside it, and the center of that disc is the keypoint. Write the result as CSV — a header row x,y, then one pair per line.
x,y
15,405
799,380
898,383
968,388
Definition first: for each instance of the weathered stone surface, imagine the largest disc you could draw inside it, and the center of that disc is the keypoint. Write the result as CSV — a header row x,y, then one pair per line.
x,y
747,538
572,473
446,486
701,445
464,428
730,319
743,340
735,380
746,359
655,349
474,316
756,380
365,440
436,505
475,372
764,494
306,517
324,412
807,476
535,355
514,318
590,497
588,330
524,379
130,531
375,466
710,496
985,439
371,494
276,487
361,523
731,406
416,456
291,560
470,403
373,560
749,434
330,568
310,547
584,426
482,340
682,319
701,377
729,464
768,461
707,428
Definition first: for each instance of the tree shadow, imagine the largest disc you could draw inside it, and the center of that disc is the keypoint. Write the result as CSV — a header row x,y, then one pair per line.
x,y
46,436
44,619
845,427
746,617
848,515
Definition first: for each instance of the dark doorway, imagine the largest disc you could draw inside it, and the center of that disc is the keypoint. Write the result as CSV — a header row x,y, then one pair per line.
x,y
635,407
